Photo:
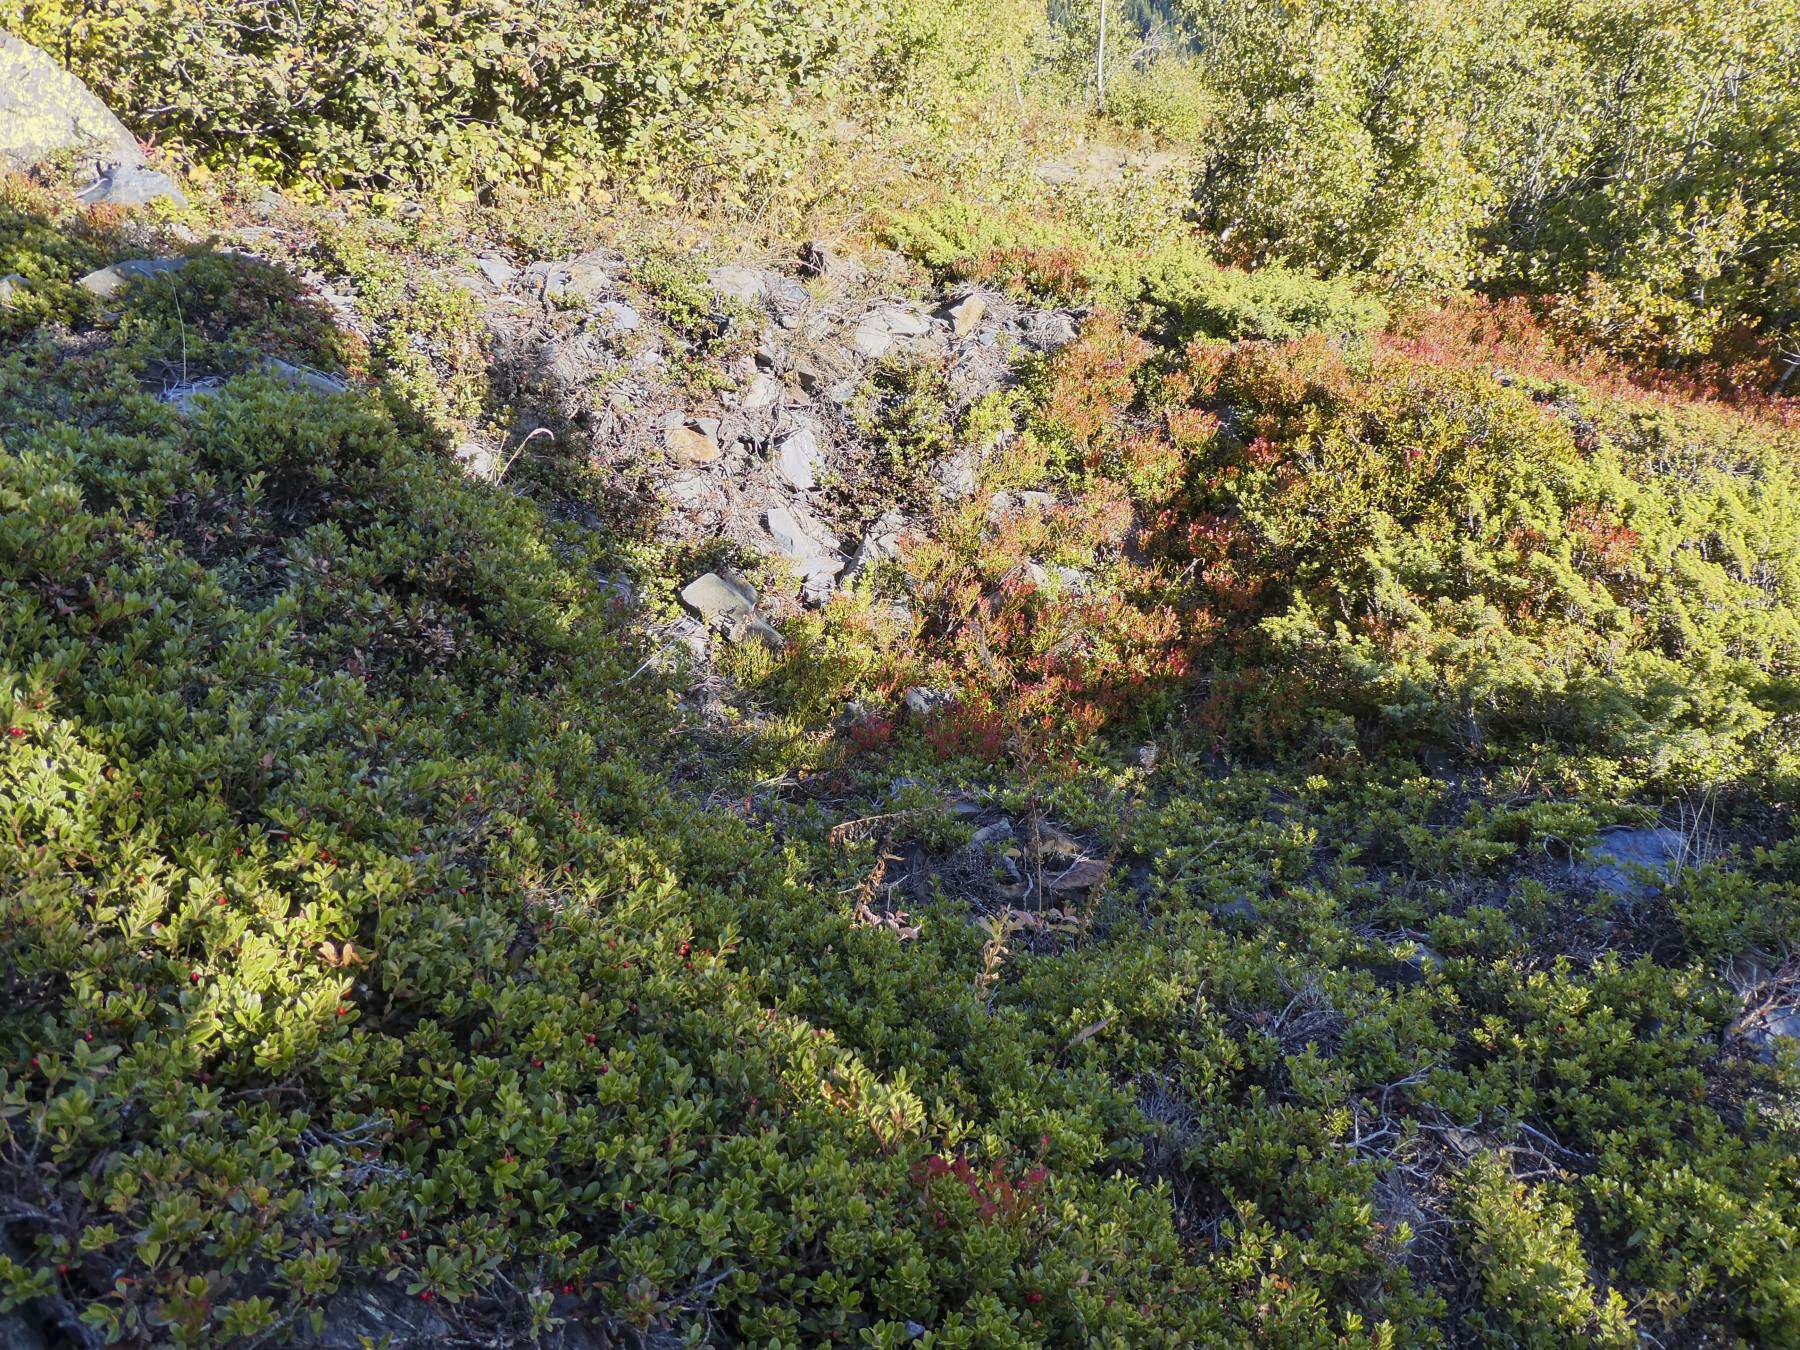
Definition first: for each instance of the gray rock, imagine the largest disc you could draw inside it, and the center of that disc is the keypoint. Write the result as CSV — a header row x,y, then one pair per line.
x,y
1613,860
721,599
376,1314
999,832
131,185
822,369
741,284
108,281
497,270
763,391
45,111
305,377
797,459
619,316
803,539
872,339
1239,910
955,476
922,700
580,278
12,289
1048,330
183,397
479,461
1781,1023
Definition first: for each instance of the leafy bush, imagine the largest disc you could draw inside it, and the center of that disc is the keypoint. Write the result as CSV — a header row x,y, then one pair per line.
x,y
391,93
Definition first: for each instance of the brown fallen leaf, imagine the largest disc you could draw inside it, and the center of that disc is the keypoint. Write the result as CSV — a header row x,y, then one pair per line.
x,y
1078,875
1090,1031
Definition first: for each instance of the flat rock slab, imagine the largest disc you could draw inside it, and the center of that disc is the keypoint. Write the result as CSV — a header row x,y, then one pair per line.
x,y
45,111
811,546
719,599
131,185
797,459
108,281
1613,861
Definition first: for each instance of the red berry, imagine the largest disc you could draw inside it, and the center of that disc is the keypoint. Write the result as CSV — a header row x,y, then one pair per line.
x,y
1034,1297
343,1011
87,1035
62,1270
606,1068
537,1063
193,977
15,731
34,1062
405,1233
568,1289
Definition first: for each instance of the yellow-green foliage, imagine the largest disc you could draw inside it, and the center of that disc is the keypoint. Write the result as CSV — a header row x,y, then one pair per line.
x,y
389,92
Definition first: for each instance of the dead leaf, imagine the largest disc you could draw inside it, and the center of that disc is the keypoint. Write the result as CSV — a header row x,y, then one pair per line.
x,y
1090,1031
1079,875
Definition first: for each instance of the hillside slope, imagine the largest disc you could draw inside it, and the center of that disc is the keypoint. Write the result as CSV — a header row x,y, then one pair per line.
x,y
1195,809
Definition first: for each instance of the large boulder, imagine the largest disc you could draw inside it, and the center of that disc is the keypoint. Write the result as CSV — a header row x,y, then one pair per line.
x,y
45,111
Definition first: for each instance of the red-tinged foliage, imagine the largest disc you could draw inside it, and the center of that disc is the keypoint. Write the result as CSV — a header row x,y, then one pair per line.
x,y
1544,338
1060,274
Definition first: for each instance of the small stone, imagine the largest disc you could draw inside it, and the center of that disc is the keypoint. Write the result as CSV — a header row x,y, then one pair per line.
x,y
12,289
1778,1025
685,445
497,270
1049,331
1613,860
797,457
741,284
108,281
131,185
720,599
807,543
764,391
871,339
922,700
955,476
619,316
479,461
1238,911
966,314
305,377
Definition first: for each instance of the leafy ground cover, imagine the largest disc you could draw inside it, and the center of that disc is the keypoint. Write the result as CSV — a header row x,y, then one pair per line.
x,y
375,915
